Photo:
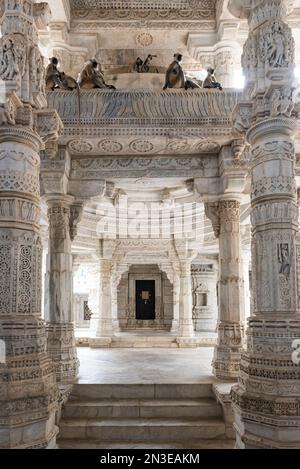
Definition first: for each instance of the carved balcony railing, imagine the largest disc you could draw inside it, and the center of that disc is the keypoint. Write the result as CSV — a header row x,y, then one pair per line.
x,y
145,108
145,122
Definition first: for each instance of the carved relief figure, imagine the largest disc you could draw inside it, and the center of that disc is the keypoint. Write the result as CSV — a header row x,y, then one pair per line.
x,y
7,113
284,258
276,49
242,119
92,77
9,67
210,81
277,46
282,102
12,4
37,71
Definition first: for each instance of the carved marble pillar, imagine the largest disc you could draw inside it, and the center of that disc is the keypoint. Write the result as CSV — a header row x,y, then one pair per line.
x,y
103,329
176,302
225,216
225,64
267,399
59,314
205,303
28,390
185,325
94,297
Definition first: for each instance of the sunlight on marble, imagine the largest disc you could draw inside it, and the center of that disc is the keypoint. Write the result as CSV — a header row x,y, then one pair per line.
x,y
145,365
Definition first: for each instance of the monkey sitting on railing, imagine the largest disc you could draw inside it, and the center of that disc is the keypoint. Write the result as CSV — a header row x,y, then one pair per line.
x,y
92,77
175,77
210,81
58,80
53,75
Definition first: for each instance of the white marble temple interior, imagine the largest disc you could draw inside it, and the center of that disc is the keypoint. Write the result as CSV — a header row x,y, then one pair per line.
x,y
149,224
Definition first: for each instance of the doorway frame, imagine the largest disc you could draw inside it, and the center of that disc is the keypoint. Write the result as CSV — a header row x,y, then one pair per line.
x,y
132,300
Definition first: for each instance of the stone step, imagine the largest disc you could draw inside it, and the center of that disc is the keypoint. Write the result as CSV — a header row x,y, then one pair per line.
x,y
95,444
142,391
152,408
141,429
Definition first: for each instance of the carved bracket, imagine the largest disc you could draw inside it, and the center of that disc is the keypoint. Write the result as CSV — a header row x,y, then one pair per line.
x,y
76,212
213,213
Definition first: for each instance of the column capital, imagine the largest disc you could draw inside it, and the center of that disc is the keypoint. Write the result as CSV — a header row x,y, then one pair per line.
x,y
222,211
64,212
59,200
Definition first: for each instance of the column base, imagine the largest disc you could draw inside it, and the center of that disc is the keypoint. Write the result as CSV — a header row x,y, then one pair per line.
x,y
185,328
62,349
103,342
266,401
174,327
103,329
227,353
29,393
265,422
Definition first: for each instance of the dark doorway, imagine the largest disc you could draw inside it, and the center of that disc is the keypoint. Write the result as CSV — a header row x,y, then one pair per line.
x,y
145,299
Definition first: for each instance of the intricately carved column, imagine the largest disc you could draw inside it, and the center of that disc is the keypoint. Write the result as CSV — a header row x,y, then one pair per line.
x,y
59,314
267,398
225,216
28,390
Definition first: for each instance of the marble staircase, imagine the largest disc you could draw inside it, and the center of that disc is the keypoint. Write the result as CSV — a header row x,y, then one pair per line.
x,y
143,416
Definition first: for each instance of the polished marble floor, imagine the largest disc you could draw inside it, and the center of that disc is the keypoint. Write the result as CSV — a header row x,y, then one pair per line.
x,y
166,365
